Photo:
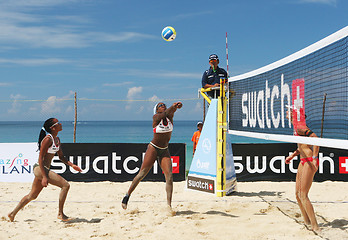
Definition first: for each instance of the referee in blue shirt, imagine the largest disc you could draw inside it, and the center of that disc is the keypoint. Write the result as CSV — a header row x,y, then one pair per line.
x,y
211,77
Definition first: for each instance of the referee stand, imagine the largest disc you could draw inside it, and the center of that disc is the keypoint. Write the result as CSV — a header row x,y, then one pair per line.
x,y
212,168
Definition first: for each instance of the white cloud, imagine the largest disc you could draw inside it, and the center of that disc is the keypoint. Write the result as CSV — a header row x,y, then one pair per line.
x,y
34,62
50,105
61,36
328,2
116,84
154,98
53,104
22,24
15,107
4,84
25,4
162,74
16,97
134,92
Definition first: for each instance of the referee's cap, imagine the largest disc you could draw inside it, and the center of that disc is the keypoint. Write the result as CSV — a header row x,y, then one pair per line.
x,y
213,57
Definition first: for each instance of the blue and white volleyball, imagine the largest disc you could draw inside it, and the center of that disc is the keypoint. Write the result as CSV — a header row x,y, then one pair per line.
x,y
168,33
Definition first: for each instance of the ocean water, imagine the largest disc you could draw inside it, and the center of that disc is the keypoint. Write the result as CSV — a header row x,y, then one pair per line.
x,y
106,132
99,132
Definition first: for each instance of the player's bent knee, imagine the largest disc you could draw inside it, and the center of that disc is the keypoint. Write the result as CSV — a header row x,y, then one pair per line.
x,y
142,173
32,197
66,186
302,195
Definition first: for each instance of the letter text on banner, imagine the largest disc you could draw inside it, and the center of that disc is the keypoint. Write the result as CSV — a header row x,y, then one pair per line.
x,y
16,161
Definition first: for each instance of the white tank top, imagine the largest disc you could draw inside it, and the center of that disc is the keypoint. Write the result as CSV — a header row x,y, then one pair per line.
x,y
53,148
161,128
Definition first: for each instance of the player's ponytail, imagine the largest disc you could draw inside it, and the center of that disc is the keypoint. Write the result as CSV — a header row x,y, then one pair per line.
x,y
44,130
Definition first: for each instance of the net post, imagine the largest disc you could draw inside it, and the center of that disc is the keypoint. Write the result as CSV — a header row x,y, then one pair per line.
x,y
221,142
75,120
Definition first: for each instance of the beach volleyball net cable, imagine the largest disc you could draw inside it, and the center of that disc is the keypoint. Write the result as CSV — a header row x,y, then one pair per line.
x,y
260,98
76,112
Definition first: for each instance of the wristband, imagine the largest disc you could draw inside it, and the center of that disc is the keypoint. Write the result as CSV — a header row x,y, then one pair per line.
x,y
315,157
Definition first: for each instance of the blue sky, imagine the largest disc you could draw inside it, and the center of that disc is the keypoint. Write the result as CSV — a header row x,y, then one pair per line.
x,y
111,49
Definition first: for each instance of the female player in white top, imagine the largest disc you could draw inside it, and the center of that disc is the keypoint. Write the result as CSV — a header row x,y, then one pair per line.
x,y
49,145
158,149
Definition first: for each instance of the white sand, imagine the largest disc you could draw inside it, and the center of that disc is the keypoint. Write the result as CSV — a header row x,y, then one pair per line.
x,y
259,210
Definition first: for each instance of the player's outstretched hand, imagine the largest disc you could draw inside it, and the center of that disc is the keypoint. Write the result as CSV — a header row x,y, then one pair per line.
x,y
178,104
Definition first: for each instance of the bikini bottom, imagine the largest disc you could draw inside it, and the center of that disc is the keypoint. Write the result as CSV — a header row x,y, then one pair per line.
x,y
160,151
309,159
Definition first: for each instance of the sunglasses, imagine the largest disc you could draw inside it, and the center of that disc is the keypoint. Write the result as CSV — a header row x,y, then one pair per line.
x,y
161,105
214,60
55,124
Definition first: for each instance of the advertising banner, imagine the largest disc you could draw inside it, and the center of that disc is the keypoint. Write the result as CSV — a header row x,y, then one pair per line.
x,y
202,173
266,162
115,162
204,160
16,161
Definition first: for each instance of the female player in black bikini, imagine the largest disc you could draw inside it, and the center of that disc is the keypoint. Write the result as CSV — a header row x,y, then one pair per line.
x,y
158,149
49,145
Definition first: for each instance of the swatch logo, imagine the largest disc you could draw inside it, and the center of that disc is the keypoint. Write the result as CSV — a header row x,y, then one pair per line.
x,y
258,107
200,184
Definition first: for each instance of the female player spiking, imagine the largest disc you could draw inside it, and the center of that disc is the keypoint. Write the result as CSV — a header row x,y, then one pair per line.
x,y
49,145
306,170
162,124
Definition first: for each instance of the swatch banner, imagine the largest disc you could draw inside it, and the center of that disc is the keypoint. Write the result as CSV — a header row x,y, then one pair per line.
x,y
116,162
266,162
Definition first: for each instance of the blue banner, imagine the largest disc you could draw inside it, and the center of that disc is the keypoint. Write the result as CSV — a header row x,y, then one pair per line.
x,y
204,160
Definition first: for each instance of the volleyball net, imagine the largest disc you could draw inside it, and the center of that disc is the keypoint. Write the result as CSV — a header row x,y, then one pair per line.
x,y
313,81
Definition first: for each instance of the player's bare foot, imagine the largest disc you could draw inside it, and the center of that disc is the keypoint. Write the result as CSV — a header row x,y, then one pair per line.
x,y
64,217
11,217
125,201
170,211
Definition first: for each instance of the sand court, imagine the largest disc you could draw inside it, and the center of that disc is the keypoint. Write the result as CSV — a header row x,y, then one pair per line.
x,y
259,210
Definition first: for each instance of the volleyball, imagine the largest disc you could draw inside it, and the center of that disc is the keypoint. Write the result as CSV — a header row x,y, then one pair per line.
x,y
168,33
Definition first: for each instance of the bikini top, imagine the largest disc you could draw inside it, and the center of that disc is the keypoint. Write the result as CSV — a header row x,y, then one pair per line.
x,y
161,128
53,148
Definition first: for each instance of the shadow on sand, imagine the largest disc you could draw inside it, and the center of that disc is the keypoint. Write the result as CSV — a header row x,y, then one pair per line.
x,y
337,223
211,212
83,220
256,194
